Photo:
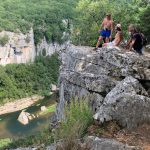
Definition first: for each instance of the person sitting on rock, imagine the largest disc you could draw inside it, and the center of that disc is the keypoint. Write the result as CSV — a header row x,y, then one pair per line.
x,y
118,37
135,42
107,29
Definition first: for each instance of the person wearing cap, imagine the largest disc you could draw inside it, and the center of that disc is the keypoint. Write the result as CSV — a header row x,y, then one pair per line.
x,y
106,30
118,37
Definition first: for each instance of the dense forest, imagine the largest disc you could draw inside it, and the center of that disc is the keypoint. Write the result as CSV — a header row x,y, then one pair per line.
x,y
45,16
22,80
83,17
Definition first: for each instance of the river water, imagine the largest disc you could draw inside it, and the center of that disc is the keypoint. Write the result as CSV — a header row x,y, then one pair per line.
x,y
11,128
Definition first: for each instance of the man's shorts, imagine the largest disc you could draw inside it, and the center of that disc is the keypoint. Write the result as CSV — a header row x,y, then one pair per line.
x,y
105,33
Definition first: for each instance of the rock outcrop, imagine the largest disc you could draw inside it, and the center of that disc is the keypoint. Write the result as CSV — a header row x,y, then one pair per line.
x,y
18,47
116,82
95,143
47,49
24,117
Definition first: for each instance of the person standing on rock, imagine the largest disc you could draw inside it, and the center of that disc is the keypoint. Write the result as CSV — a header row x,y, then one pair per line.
x,y
135,41
118,37
106,30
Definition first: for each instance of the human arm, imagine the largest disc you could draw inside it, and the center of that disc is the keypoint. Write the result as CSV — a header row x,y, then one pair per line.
x,y
118,38
102,26
112,29
128,43
131,44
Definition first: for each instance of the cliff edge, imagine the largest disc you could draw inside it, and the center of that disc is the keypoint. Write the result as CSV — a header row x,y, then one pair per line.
x,y
116,83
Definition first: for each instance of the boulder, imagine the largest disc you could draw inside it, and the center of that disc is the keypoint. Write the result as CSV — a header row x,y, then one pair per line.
x,y
24,118
43,108
128,103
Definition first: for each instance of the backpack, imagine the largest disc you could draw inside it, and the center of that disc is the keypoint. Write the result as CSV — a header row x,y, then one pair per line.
x,y
144,40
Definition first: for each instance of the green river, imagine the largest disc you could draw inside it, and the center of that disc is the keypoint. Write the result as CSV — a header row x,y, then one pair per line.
x,y
11,128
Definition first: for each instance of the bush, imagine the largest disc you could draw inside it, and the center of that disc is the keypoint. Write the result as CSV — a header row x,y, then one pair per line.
x,y
78,118
4,40
22,80
4,142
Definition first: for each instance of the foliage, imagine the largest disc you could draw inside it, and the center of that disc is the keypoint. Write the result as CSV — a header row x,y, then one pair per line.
x,y
78,118
4,142
22,80
50,109
45,16
4,40
91,13
145,21
45,137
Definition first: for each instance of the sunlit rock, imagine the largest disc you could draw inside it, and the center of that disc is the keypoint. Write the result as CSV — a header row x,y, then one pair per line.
x,y
53,88
43,108
24,118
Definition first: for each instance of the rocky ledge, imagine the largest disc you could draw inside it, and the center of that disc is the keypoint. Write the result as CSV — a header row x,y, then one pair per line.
x,y
116,83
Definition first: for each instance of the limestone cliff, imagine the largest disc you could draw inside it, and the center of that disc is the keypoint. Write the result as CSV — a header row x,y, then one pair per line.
x,y
116,83
47,49
19,48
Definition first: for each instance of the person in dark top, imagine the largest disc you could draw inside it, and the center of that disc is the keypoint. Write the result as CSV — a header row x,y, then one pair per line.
x,y
135,41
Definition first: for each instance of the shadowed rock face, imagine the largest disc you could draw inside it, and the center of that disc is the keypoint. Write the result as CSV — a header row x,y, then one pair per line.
x,y
109,79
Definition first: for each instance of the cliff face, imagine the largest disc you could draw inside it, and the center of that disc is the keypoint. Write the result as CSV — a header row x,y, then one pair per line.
x,y
116,83
18,49
48,48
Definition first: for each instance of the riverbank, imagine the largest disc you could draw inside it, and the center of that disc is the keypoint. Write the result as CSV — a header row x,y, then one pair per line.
x,y
19,104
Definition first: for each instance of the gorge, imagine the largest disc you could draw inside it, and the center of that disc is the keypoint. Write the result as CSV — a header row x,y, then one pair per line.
x,y
102,98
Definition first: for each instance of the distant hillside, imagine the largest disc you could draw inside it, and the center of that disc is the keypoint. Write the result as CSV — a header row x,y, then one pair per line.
x,y
45,16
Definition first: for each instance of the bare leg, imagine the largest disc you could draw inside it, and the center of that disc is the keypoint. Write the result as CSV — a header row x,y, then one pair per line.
x,y
107,40
98,42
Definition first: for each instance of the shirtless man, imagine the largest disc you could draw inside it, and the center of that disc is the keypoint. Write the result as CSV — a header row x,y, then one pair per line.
x,y
106,30
118,37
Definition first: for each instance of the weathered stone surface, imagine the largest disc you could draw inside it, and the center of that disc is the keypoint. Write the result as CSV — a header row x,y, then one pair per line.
x,y
51,147
49,48
69,91
24,118
109,61
20,48
99,77
127,103
95,143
